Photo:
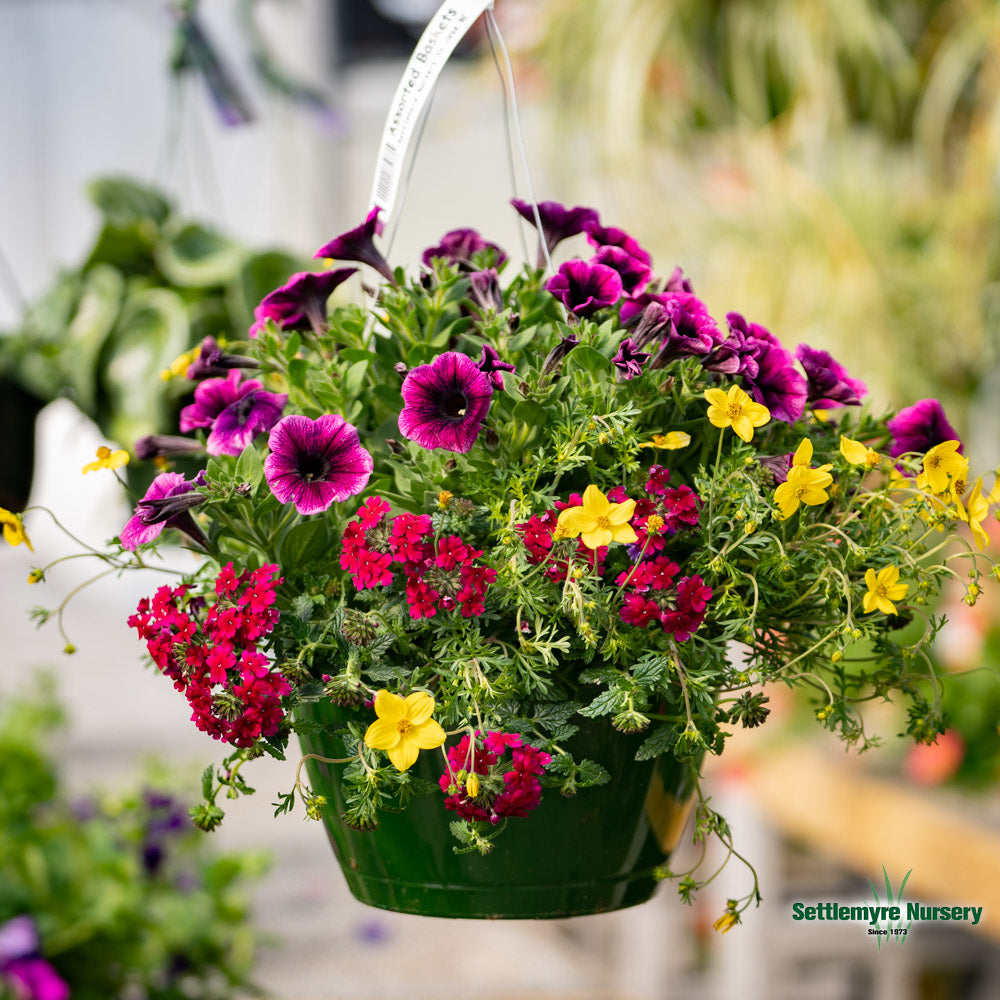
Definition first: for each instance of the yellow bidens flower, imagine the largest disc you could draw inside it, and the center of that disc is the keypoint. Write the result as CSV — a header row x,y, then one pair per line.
x,y
13,529
942,463
728,920
598,522
107,459
670,441
404,727
975,511
180,365
883,588
737,410
804,484
859,454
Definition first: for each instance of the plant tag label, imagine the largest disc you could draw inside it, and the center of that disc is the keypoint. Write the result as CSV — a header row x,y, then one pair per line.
x,y
442,34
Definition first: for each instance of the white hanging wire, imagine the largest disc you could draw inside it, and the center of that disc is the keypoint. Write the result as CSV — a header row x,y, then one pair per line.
x,y
513,130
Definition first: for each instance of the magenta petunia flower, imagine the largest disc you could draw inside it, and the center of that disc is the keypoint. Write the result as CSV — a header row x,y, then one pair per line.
x,y
167,504
235,411
610,236
445,402
628,360
457,247
635,273
583,288
691,331
300,303
484,290
828,384
919,427
558,221
490,364
314,463
22,966
778,384
359,244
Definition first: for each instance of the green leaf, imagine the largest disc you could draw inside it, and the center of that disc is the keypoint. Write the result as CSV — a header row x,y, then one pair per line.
x,y
250,466
304,543
124,201
586,359
354,377
532,413
297,369
194,256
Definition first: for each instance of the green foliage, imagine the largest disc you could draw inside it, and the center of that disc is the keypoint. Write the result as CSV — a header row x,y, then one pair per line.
x,y
127,898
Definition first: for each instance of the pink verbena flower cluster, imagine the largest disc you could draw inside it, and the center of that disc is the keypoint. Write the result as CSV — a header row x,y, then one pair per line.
x,y
210,652
440,573
655,596
482,784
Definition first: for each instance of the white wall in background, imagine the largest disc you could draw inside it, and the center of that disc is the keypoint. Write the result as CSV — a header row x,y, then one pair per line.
x,y
85,90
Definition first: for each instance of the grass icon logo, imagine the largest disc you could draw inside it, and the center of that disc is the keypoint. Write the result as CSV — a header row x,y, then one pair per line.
x,y
888,910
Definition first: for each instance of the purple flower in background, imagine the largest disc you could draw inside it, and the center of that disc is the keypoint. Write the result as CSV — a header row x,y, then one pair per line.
x,y
828,384
484,290
151,517
300,303
445,402
919,427
554,358
635,273
751,332
778,385
491,365
164,445
213,361
457,247
558,221
359,244
584,288
314,463
736,355
609,236
677,282
639,307
235,411
629,361
693,331
21,965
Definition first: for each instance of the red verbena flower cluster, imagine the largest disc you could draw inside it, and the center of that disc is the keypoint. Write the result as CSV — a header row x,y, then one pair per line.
x,y
654,597
210,651
482,784
440,574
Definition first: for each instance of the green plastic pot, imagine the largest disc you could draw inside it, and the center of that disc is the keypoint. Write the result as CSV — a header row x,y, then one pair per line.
x,y
590,853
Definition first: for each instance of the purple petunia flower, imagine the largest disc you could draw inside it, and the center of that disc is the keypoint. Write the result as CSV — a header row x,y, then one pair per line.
x,y
484,290
920,427
635,273
300,303
610,236
445,402
583,288
235,411
736,355
692,332
22,966
165,445
490,364
167,504
554,358
629,361
828,384
213,361
314,463
457,247
359,244
558,221
778,385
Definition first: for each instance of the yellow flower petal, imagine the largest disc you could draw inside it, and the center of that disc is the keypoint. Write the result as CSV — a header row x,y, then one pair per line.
x,y
573,520
428,735
804,453
389,706
621,513
382,734
404,754
419,707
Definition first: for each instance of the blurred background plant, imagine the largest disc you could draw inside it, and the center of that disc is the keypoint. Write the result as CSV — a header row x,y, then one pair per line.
x,y
116,896
152,285
830,165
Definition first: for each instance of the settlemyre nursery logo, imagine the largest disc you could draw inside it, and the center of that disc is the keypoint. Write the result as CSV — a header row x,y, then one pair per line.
x,y
889,918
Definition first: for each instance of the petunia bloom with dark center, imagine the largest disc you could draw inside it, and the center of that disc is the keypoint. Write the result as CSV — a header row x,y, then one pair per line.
x,y
359,244
583,288
920,427
611,236
828,384
635,273
445,402
315,463
458,247
236,412
778,384
300,303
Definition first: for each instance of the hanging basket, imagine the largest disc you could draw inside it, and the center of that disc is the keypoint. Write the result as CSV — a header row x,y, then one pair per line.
x,y
590,853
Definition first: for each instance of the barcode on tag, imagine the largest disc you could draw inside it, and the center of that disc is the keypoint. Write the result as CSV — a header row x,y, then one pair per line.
x,y
442,34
